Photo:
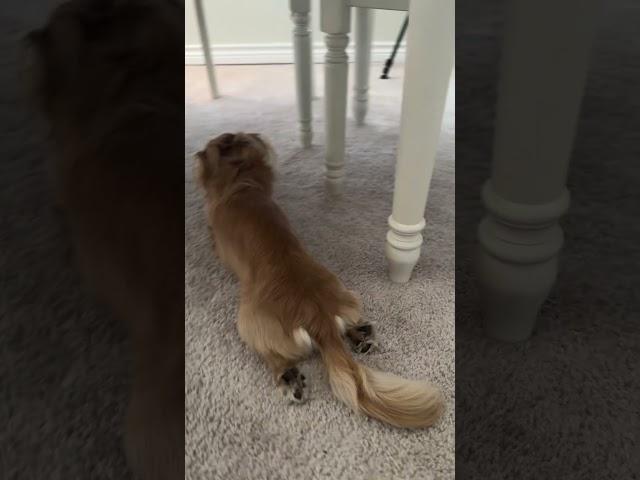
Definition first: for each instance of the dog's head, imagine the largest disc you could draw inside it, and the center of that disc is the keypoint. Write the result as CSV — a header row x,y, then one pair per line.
x,y
233,159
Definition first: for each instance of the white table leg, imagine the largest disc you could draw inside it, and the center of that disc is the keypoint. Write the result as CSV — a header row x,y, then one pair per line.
x,y
206,48
542,78
314,93
364,27
429,63
335,22
302,51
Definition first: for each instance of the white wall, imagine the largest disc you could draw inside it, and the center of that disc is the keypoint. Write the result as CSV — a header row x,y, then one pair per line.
x,y
259,31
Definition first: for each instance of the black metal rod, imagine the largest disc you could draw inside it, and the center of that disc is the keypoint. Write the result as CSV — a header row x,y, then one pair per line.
x,y
389,63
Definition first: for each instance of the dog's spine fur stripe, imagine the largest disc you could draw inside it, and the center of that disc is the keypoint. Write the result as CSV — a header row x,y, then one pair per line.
x,y
386,397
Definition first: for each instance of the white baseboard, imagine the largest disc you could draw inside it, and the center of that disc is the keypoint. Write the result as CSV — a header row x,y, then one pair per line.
x,y
264,53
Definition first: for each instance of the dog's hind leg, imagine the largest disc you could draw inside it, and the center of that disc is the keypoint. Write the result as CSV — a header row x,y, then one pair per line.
x,y
280,351
288,378
359,332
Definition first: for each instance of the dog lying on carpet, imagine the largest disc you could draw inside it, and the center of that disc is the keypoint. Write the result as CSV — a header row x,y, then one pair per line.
x,y
288,302
107,76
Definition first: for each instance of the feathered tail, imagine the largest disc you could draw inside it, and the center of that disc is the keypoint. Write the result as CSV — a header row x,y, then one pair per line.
x,y
384,396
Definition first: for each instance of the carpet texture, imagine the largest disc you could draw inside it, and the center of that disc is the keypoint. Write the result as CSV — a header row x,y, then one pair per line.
x,y
237,426
64,360
564,404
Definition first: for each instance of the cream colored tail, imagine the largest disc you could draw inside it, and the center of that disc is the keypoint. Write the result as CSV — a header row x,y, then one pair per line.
x,y
386,397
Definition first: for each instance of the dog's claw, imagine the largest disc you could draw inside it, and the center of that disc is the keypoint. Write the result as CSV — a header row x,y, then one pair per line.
x,y
366,346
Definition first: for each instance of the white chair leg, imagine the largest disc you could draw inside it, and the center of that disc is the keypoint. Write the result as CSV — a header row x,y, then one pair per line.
x,y
314,91
429,63
542,78
303,62
364,27
335,21
206,48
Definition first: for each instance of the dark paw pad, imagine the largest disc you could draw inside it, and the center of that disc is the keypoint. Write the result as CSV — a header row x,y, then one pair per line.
x,y
290,375
361,337
293,385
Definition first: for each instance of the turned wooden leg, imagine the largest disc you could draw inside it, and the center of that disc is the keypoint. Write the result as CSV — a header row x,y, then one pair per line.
x,y
430,51
335,16
206,49
544,63
364,27
302,51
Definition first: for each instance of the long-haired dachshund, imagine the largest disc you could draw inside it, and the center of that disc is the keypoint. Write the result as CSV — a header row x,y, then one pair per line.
x,y
289,303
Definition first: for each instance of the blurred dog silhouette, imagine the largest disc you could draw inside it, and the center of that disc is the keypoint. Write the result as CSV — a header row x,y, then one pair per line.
x,y
107,75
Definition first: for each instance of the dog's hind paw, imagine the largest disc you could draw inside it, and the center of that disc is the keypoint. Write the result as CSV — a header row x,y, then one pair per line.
x,y
293,385
362,338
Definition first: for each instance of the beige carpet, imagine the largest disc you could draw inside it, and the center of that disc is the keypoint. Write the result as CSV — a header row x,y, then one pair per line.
x,y
237,426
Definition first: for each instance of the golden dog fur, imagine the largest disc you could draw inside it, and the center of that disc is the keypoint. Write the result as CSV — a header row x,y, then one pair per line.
x,y
287,300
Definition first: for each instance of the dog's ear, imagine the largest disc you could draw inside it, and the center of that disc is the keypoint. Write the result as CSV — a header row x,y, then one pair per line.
x,y
208,162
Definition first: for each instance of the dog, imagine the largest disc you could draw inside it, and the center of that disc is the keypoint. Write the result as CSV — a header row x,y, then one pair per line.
x,y
289,303
105,76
